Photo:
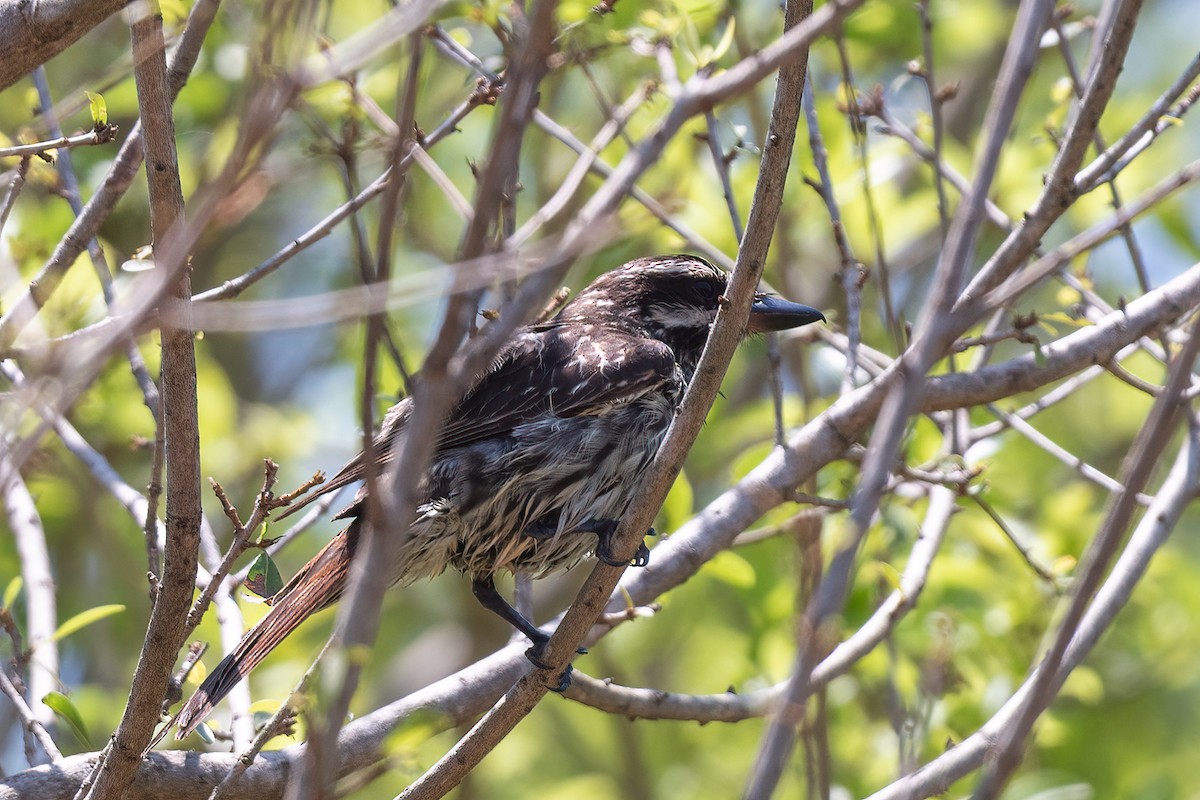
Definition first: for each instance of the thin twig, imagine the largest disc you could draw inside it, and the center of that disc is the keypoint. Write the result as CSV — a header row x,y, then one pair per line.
x,y
279,722
1156,120
116,182
235,286
264,503
936,99
911,369
852,272
1041,571
856,114
101,134
14,189
721,165
32,724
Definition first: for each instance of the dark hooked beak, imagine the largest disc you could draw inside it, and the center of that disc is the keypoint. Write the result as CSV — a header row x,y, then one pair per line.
x,y
770,313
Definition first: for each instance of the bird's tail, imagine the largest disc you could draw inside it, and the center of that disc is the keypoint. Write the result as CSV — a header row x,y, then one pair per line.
x,y
318,584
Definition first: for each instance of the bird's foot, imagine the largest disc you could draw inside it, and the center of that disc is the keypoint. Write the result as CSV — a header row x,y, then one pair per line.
x,y
535,653
604,530
604,549
642,557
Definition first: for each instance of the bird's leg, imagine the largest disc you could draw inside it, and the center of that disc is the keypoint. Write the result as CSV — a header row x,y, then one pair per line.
x,y
484,589
604,530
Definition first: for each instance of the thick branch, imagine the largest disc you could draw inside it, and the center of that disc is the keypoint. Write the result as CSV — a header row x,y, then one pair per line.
x,y
33,33
165,634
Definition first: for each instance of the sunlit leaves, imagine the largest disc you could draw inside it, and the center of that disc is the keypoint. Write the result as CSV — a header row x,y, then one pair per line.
x,y
98,109
86,618
66,711
12,590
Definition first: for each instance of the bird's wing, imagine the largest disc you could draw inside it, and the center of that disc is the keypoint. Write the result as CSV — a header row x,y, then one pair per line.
x,y
565,371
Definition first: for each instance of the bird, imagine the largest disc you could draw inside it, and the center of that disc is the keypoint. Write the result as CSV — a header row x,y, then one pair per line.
x,y
538,459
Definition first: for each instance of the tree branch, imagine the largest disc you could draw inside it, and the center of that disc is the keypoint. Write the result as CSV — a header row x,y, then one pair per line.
x,y
33,33
166,631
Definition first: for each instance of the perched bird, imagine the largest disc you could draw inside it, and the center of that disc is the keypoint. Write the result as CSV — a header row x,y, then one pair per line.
x,y
540,457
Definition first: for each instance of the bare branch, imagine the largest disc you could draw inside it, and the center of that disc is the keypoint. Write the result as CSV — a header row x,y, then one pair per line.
x,y
1143,456
1156,120
35,33
32,724
103,134
41,604
653,704
930,339
165,633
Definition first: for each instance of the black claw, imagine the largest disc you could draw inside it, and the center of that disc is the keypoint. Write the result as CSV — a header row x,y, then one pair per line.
x,y
534,654
603,548
602,554
564,680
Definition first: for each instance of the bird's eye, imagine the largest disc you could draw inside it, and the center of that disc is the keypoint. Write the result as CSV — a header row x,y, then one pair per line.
x,y
706,290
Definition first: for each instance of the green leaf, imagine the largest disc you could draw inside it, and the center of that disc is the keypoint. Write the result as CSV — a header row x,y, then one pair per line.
x,y
263,710
728,567
174,12
890,574
416,729
264,579
679,505
726,40
65,710
85,618
98,108
197,675
12,590
1063,319
1085,685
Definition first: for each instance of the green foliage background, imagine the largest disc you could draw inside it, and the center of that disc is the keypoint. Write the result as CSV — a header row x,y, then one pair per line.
x,y
1124,727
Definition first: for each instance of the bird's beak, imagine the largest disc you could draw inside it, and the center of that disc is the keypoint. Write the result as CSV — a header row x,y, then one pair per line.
x,y
770,313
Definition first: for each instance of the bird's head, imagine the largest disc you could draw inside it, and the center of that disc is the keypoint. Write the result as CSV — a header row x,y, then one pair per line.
x,y
675,299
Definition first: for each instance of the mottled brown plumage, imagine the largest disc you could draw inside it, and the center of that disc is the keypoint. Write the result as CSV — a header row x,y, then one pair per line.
x,y
539,458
